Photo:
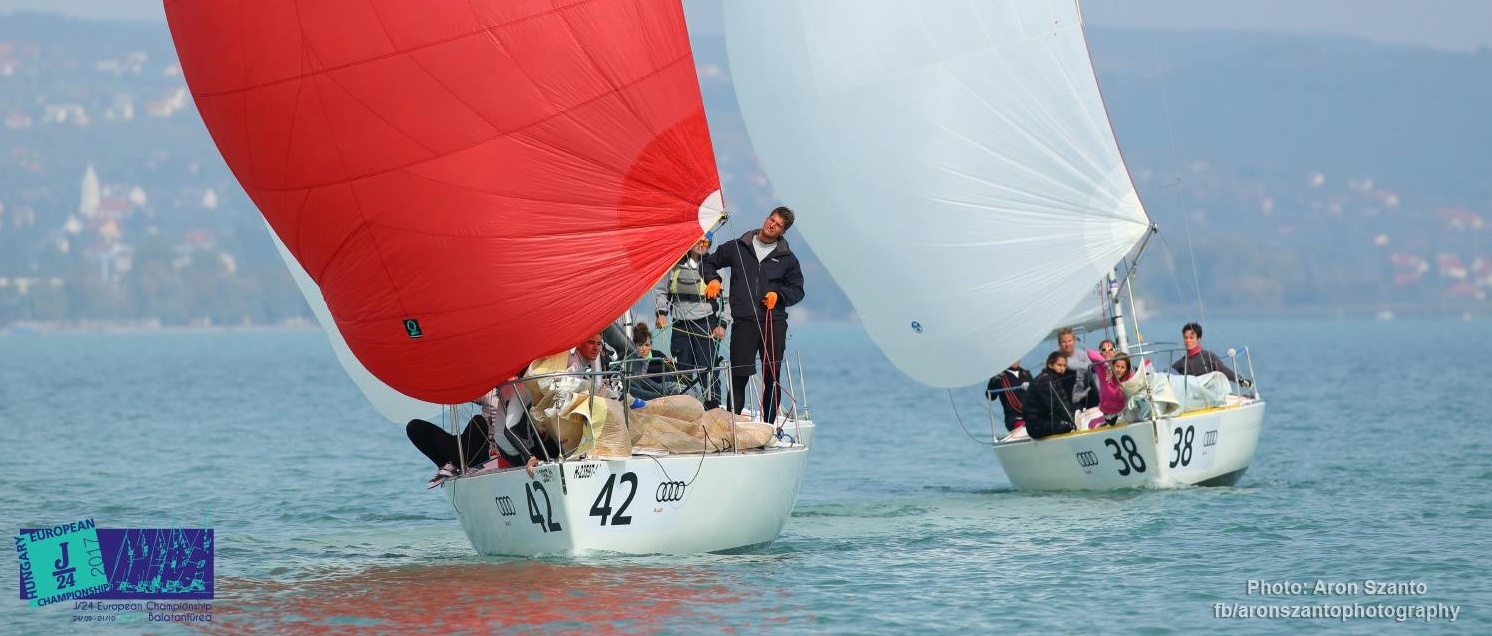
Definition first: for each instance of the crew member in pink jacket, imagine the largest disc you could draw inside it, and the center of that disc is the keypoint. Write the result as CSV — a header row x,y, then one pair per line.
x,y
1111,372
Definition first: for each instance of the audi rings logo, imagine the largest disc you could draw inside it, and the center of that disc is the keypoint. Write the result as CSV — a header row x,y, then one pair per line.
x,y
1210,439
506,507
1087,459
671,491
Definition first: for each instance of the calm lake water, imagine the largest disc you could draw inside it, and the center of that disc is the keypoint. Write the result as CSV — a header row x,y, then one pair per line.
x,y
1373,465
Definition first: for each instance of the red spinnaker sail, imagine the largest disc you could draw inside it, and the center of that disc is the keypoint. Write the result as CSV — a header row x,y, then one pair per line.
x,y
471,183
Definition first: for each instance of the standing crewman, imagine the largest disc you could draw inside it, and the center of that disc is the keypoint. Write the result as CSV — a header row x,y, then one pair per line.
x,y
765,279
697,321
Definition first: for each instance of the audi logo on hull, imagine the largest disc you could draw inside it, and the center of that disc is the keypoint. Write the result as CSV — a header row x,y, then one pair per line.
x,y
671,491
506,507
1087,459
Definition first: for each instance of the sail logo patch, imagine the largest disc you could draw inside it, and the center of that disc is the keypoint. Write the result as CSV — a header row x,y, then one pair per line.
x,y
412,327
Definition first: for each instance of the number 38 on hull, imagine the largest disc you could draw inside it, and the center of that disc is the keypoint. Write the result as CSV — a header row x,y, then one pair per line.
x,y
677,504
1210,447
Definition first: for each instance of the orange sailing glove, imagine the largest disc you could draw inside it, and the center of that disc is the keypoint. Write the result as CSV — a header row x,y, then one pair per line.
x,y
771,300
712,290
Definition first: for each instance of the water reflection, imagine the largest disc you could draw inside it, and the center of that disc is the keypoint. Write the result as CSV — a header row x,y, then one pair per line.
x,y
486,597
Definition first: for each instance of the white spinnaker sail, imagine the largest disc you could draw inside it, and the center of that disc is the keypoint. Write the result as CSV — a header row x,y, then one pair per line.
x,y
951,162
391,404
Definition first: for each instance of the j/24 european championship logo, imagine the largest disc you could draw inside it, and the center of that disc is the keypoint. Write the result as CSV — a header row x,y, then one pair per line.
x,y
79,560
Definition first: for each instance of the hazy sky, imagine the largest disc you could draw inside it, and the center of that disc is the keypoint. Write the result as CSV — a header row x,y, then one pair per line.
x,y
1443,24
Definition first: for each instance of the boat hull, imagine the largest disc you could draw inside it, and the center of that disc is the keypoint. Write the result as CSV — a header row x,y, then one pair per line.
x,y
675,504
1210,447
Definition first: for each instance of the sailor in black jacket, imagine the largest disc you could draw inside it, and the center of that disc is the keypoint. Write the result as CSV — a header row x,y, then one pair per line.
x,y
1009,387
1199,361
765,279
1048,407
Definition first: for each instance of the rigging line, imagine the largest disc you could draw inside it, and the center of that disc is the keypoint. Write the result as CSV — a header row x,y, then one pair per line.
x,y
704,450
1165,102
960,419
1171,262
769,370
1105,311
1128,287
787,387
778,387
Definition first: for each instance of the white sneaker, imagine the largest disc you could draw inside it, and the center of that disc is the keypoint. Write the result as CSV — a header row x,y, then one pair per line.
x,y
440,476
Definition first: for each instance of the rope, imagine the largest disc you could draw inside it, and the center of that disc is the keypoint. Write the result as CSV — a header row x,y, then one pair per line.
x,y
769,366
765,332
1105,309
1180,195
954,404
697,467
1171,259
1134,320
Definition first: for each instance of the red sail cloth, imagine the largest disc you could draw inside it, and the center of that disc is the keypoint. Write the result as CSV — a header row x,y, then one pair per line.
x,y
512,174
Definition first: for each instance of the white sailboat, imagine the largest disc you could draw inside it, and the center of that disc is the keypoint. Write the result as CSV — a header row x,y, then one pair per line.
x,y
966,148
461,187
675,504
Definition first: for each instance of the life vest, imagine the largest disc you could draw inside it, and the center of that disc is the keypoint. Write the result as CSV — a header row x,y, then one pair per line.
x,y
685,283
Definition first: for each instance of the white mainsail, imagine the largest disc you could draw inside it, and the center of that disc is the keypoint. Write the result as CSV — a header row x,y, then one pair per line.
x,y
951,163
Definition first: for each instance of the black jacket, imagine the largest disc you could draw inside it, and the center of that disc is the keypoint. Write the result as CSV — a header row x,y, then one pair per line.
x,y
1011,396
751,280
1048,408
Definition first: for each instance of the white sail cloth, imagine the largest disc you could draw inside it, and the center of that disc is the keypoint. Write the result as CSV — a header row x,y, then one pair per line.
x,y
1171,394
951,163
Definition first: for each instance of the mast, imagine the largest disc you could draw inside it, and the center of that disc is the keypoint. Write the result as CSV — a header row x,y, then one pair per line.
x,y
1120,337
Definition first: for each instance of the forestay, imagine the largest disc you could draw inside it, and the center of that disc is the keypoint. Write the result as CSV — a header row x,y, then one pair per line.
x,y
951,161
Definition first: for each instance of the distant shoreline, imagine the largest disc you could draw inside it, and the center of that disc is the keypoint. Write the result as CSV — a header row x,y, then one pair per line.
x,y
1372,312
1469,310
148,326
